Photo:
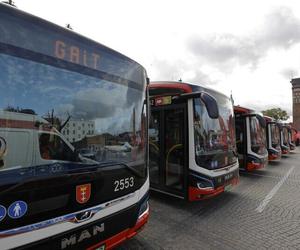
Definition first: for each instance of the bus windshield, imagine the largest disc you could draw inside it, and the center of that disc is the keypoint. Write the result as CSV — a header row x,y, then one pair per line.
x,y
285,136
275,135
258,136
100,116
214,138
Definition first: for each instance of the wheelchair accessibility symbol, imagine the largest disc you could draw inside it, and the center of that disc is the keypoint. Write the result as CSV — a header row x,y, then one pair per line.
x,y
2,212
17,209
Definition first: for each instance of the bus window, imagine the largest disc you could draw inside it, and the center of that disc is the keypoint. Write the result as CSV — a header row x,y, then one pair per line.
x,y
258,136
154,147
174,148
239,126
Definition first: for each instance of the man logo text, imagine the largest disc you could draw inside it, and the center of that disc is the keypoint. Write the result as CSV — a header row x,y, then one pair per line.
x,y
85,234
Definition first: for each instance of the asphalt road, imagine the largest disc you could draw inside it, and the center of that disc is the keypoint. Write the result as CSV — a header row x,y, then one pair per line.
x,y
262,212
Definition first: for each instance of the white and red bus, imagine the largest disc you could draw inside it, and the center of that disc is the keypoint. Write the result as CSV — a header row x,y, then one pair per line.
x,y
250,138
273,139
63,95
191,141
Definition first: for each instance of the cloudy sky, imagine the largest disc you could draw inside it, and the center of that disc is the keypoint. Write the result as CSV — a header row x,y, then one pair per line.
x,y
249,48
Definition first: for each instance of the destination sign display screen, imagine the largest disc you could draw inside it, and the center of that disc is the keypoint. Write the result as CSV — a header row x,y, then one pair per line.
x,y
37,35
160,101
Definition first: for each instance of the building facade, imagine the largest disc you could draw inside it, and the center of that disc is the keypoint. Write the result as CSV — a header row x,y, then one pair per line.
x,y
296,102
76,130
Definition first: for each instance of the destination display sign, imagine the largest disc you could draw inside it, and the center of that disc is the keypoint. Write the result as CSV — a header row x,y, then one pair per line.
x,y
160,101
37,35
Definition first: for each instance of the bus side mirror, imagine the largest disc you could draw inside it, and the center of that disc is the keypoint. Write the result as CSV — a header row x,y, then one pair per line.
x,y
208,100
210,104
261,121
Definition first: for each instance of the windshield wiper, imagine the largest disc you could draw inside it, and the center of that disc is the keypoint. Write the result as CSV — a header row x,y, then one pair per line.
x,y
132,169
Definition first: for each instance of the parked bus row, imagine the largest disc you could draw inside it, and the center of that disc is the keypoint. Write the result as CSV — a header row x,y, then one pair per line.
x,y
83,134
199,141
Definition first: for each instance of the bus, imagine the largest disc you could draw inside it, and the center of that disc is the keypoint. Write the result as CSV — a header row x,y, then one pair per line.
x,y
284,139
191,141
273,139
250,139
73,139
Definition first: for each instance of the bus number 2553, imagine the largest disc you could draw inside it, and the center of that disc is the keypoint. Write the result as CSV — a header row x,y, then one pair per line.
x,y
123,184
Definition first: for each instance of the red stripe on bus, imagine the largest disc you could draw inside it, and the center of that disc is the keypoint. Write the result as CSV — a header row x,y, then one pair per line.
x,y
117,239
186,88
196,194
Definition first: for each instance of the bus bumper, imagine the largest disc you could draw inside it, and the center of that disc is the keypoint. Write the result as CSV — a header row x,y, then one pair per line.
x,y
196,192
254,163
124,235
274,155
102,234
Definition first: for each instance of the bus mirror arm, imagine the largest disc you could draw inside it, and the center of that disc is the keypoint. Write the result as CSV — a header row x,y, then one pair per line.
x,y
208,100
210,104
261,120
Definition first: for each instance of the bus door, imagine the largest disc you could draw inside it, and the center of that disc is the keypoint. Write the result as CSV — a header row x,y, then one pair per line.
x,y
168,156
241,140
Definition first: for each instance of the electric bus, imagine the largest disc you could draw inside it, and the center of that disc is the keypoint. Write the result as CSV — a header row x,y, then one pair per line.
x,y
62,95
191,141
284,139
250,139
273,139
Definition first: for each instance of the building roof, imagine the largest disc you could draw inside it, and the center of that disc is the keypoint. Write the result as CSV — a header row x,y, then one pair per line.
x,y
295,82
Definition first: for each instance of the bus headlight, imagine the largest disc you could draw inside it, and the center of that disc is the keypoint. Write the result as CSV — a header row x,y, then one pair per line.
x,y
205,184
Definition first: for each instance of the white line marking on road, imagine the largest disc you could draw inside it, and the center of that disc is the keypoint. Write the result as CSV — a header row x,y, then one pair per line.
x,y
262,175
269,196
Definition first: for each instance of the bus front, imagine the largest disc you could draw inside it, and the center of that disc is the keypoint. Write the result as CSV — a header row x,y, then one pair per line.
x,y
213,159
73,139
251,139
273,140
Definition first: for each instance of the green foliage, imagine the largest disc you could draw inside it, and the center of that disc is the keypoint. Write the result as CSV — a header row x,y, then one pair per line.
x,y
276,113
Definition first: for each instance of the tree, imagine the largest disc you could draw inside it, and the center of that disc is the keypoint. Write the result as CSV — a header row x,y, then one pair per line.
x,y
276,113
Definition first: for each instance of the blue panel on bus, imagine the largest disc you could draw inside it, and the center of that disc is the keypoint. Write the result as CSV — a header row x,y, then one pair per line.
x,y
36,35
2,212
17,209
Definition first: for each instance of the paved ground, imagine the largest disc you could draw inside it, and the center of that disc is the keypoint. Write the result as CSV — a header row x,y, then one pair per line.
x,y
262,212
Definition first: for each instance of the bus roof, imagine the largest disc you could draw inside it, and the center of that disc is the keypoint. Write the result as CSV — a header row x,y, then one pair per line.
x,y
242,110
182,87
269,118
31,33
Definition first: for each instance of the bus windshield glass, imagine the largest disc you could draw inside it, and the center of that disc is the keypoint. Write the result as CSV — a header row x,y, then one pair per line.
x,y
214,138
257,136
48,114
275,135
285,136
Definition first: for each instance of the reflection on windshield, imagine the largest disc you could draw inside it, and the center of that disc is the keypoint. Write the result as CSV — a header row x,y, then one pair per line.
x,y
51,114
258,136
275,135
214,138
285,136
